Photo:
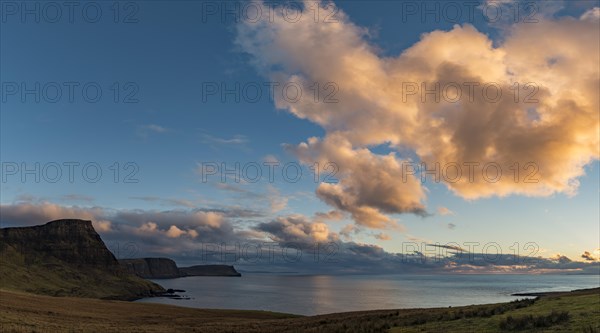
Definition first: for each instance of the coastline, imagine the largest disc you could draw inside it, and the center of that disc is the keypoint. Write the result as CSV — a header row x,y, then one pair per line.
x,y
23,312
324,294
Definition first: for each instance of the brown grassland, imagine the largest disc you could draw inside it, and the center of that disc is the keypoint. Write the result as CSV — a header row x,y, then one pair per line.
x,y
568,312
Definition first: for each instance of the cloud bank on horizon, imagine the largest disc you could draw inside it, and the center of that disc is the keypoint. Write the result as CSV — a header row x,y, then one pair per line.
x,y
285,244
383,101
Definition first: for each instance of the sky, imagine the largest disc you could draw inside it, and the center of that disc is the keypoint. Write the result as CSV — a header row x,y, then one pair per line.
x,y
178,125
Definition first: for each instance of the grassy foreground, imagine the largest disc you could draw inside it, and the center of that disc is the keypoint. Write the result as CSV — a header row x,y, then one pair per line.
x,y
567,312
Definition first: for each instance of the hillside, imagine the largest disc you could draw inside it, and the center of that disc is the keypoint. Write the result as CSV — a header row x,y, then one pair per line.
x,y
65,258
21,312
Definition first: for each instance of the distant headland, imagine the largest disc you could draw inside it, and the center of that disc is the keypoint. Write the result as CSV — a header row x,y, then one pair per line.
x,y
165,268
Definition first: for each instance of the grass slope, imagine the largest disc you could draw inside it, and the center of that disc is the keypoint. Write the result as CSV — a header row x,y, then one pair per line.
x,y
65,258
50,276
566,312
21,312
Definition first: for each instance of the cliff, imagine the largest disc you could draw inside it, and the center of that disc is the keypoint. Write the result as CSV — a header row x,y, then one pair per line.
x,y
164,268
66,258
209,270
151,268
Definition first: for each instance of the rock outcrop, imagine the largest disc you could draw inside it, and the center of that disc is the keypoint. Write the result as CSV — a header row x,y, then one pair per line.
x,y
66,258
165,268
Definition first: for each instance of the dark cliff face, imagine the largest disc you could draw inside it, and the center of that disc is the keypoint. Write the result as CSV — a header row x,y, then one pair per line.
x,y
66,258
209,270
165,268
151,268
74,241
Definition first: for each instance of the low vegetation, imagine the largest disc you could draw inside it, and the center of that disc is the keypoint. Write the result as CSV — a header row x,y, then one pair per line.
x,y
53,277
65,258
570,312
531,321
566,312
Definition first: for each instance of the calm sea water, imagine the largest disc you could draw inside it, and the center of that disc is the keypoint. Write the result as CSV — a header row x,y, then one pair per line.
x,y
310,295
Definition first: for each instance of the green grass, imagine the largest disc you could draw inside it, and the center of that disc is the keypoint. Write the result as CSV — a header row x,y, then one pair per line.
x,y
22,312
53,277
580,313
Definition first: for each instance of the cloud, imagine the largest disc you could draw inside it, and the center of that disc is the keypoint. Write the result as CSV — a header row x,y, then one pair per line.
x,y
28,214
449,247
175,232
77,197
148,227
152,231
588,256
235,140
332,215
549,132
382,236
297,229
145,130
348,230
271,159
367,250
151,228
504,13
234,188
444,211
369,184
276,200
183,236
591,15
272,195
560,258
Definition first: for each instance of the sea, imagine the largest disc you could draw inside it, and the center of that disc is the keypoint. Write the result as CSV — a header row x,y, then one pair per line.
x,y
321,294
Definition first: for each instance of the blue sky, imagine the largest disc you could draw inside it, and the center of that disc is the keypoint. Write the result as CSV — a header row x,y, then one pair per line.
x,y
163,60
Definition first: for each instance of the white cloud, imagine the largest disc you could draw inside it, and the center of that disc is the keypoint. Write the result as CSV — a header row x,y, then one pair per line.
x,y
235,140
591,15
383,236
277,201
297,228
444,211
145,130
557,133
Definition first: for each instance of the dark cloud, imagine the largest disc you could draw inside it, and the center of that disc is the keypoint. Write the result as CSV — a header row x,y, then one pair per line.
x,y
366,250
449,247
297,229
289,243
588,256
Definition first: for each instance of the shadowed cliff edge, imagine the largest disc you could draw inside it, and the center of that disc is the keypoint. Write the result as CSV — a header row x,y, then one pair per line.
x,y
66,258
165,268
